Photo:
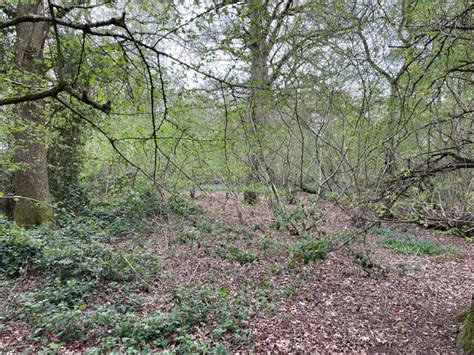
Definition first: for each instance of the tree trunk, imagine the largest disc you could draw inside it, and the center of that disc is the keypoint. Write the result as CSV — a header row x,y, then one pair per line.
x,y
259,94
390,163
31,180
466,336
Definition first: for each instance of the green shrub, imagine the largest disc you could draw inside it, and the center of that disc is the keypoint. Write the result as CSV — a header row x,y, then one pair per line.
x,y
300,217
310,250
242,256
17,249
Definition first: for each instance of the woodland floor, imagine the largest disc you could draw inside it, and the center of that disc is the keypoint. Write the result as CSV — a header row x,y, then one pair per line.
x,y
406,303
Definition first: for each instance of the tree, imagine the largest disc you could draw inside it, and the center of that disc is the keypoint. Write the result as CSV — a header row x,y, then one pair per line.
x,y
32,27
31,180
255,38
260,91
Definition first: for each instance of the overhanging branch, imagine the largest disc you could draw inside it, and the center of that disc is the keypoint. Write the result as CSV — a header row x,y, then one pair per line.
x,y
54,91
114,21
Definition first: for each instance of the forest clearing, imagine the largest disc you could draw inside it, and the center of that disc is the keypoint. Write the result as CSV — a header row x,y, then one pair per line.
x,y
236,176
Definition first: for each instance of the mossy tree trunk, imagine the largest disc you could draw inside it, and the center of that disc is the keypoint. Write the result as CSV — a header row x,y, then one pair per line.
x,y
31,180
466,336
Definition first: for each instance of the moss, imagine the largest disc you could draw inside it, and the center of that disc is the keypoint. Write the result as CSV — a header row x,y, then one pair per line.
x,y
466,336
29,213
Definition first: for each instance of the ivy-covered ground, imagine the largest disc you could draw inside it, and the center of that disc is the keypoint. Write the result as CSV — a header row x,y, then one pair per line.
x,y
215,275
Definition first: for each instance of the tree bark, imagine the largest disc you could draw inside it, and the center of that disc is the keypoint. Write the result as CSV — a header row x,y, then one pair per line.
x,y
31,180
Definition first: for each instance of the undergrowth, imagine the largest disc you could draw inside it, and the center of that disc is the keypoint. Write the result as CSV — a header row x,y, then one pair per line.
x,y
115,329
77,250
86,290
411,245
